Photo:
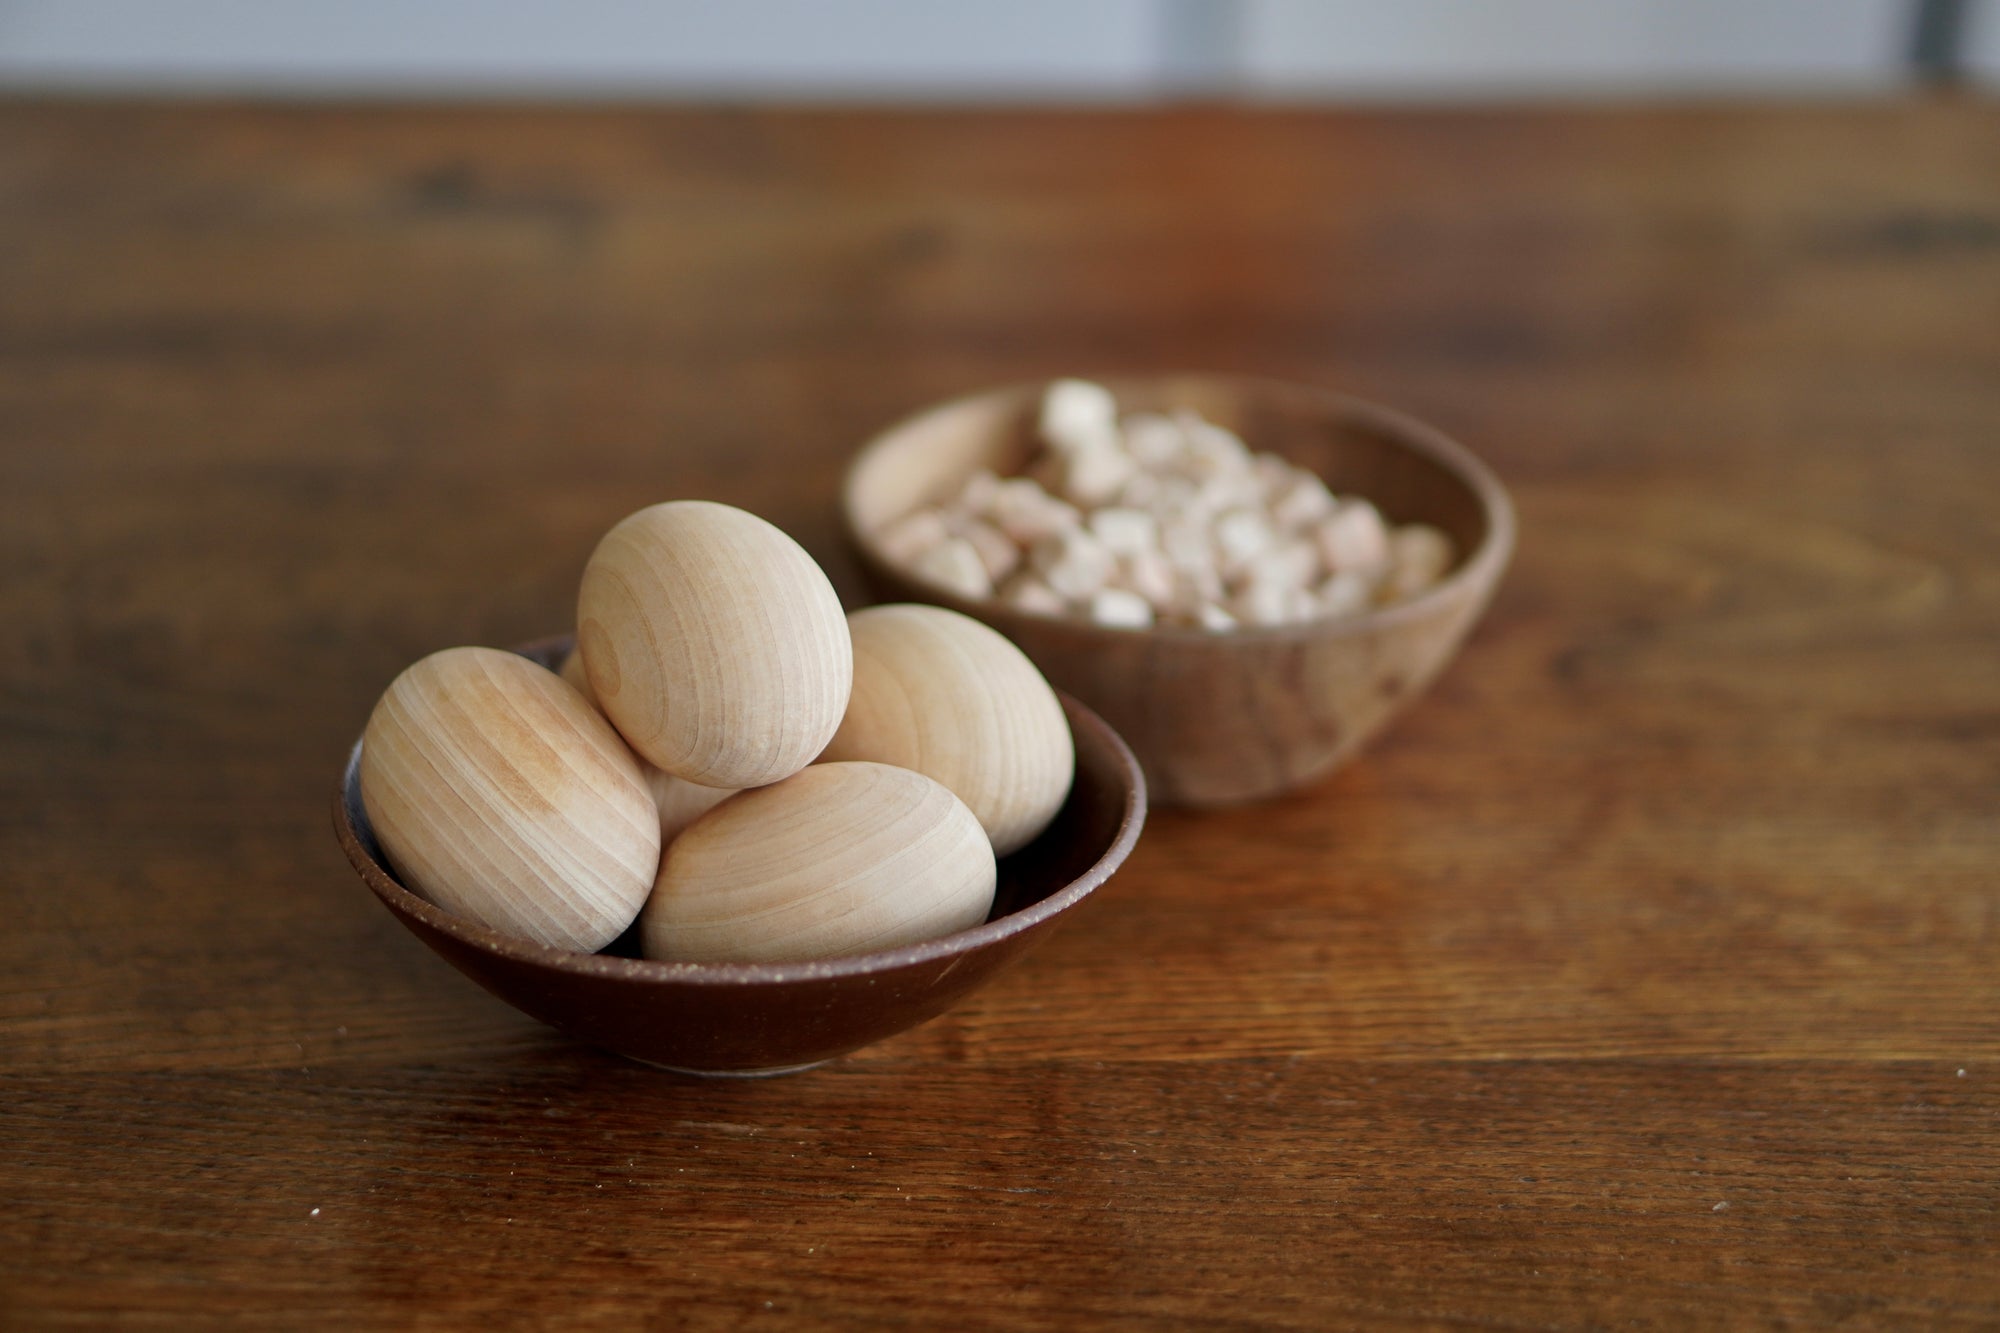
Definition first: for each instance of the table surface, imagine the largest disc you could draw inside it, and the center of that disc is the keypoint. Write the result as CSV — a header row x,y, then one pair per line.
x,y
1644,973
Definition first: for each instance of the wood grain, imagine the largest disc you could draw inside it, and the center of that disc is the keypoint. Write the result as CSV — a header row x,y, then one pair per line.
x,y
679,801
837,859
940,693
713,643
1678,889
499,795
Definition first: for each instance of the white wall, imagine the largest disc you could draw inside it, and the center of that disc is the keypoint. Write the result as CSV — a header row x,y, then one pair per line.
x,y
1467,47
962,48
1983,43
911,47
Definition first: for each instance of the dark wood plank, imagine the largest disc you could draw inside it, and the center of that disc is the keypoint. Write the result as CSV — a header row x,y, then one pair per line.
x,y
1297,1193
1679,890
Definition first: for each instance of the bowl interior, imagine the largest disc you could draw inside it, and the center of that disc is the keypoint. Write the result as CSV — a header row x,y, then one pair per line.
x,y
1412,473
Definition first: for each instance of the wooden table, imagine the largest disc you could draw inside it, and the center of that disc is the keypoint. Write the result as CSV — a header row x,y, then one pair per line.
x,y
1645,974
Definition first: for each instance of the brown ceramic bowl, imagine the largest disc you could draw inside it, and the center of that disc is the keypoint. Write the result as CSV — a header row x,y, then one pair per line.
x,y
770,1018
1221,718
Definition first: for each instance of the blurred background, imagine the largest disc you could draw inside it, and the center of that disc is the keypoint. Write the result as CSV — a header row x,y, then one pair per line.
x,y
1069,50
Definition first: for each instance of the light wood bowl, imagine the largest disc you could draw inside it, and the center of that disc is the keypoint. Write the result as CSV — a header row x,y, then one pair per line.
x,y
1218,719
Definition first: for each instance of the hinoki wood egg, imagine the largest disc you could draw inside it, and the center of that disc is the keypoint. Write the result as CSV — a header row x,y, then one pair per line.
x,y
679,801
837,859
714,644
953,699
500,795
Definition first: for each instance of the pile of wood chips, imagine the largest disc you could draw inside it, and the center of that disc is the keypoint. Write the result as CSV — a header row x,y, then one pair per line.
x,y
1163,520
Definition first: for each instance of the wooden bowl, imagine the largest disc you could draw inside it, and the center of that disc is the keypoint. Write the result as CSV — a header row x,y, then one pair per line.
x,y
1217,719
772,1018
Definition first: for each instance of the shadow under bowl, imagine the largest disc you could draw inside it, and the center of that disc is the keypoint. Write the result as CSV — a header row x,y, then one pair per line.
x,y
1218,719
746,1019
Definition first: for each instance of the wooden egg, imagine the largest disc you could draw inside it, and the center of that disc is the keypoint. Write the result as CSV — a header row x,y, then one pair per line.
x,y
679,801
943,694
714,644
501,796
837,859
579,680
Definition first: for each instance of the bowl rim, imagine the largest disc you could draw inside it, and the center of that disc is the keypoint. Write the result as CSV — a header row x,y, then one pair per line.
x,y
1131,820
1481,568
